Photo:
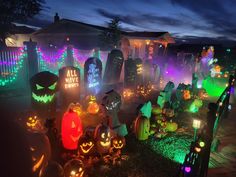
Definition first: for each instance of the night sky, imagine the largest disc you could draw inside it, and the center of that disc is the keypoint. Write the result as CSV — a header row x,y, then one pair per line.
x,y
188,20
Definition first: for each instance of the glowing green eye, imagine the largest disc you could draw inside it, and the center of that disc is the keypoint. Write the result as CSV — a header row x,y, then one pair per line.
x,y
52,87
39,87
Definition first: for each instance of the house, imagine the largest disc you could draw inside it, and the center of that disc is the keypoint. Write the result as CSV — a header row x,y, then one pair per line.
x,y
86,37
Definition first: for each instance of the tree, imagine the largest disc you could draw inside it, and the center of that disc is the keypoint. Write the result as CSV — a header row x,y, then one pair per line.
x,y
16,11
112,36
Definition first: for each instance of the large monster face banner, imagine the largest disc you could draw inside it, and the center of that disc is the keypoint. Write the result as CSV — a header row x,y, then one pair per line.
x,y
44,86
113,67
69,84
93,74
130,73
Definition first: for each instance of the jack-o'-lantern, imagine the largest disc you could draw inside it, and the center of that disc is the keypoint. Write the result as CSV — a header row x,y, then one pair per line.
x,y
156,110
74,168
118,142
102,135
44,86
71,130
35,124
76,107
93,106
86,146
168,112
53,169
186,94
202,94
217,68
40,150
142,127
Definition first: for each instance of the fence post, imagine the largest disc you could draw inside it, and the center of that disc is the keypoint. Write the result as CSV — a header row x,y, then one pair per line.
x,y
32,58
69,59
211,117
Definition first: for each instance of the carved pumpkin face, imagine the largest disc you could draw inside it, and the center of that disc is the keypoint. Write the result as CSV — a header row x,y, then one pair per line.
x,y
86,145
142,128
186,95
71,130
103,138
34,124
40,150
44,86
74,168
118,142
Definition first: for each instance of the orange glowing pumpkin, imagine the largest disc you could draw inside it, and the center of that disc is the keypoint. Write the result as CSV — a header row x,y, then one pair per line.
x,y
93,106
186,95
71,130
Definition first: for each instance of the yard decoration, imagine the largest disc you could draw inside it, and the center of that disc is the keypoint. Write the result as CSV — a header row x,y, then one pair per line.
x,y
86,146
93,106
75,107
35,124
180,90
196,105
53,169
74,168
71,130
171,126
186,94
102,136
142,127
194,83
44,87
169,89
40,149
161,99
69,81
168,112
156,110
202,94
112,102
146,110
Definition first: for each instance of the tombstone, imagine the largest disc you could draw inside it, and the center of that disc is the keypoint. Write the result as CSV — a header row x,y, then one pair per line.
x,y
161,99
169,89
194,83
130,73
113,68
44,86
139,71
112,102
69,81
92,75
147,72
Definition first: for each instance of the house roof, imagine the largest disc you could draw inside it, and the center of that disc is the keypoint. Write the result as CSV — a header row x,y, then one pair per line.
x,y
69,26
144,34
21,30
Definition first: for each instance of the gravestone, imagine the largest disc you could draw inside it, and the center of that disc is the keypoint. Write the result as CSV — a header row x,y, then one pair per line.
x,y
130,73
139,71
147,67
69,81
169,89
113,68
93,75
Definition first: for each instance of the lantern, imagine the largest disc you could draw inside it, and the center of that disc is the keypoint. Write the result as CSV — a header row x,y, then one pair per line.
x,y
142,128
74,168
102,136
71,130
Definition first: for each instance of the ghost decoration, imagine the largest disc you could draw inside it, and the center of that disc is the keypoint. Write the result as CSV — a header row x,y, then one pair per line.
x,y
71,130
44,86
112,102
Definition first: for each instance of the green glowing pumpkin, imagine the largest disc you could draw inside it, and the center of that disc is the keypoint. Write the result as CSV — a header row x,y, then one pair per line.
x,y
43,87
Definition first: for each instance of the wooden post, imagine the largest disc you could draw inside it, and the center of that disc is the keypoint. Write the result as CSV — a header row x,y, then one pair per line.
x,y
32,58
